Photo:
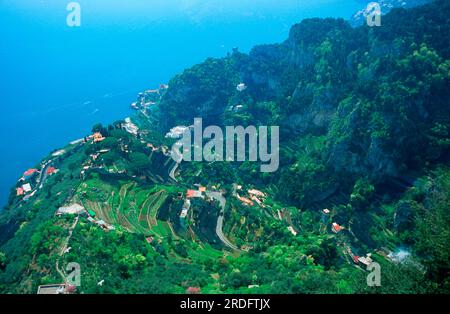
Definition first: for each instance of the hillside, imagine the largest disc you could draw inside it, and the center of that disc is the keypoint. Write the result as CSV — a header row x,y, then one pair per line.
x,y
364,173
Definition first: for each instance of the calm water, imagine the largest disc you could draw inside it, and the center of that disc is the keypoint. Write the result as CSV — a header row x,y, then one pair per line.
x,y
56,81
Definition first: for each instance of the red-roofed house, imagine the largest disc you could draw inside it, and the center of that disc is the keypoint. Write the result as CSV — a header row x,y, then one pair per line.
x,y
193,193
245,200
52,170
355,259
335,227
29,173
20,191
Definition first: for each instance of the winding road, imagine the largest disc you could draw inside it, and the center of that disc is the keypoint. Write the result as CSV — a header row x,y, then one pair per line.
x,y
172,172
177,156
221,199
43,176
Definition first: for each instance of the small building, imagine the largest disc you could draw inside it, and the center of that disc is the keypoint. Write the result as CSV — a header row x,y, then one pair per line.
x,y
202,189
59,153
256,193
193,193
71,210
29,173
52,289
336,228
98,137
26,188
245,200
20,191
326,211
81,140
130,127
51,170
241,87
367,260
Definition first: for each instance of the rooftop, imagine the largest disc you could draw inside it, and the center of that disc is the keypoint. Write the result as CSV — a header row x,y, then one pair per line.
x,y
52,289
335,227
29,172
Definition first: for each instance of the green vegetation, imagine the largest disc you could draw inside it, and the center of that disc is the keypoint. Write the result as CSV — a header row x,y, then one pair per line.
x,y
364,121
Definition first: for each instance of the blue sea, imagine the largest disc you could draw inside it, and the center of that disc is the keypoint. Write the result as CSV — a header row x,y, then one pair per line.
x,y
57,81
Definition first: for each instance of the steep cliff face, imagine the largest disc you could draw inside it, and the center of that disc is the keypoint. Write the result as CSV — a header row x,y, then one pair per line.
x,y
377,94
201,91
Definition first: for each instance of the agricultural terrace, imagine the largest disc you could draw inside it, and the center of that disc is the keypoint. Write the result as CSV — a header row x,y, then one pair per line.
x,y
125,204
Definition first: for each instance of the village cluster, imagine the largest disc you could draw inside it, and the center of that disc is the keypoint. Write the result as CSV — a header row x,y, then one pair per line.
x,y
32,180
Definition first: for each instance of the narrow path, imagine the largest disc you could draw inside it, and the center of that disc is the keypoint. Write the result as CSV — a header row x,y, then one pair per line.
x,y
219,227
64,248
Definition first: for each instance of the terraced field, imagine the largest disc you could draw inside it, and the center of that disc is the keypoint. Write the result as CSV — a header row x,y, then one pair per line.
x,y
125,204
131,207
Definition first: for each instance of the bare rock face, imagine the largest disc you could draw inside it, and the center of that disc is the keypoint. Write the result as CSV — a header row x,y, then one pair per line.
x,y
380,161
314,110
